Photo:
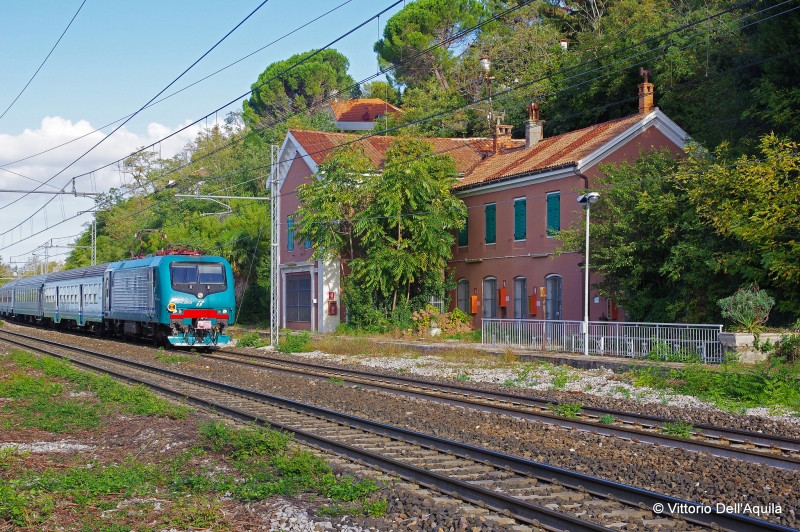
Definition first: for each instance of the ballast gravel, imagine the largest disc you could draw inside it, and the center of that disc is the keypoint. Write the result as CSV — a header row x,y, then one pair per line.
x,y
689,475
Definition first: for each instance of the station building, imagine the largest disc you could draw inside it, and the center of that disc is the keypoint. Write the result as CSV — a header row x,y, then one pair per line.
x,y
518,193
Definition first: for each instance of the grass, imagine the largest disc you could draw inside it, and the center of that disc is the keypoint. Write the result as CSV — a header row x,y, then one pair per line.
x,y
295,342
42,402
463,377
171,359
248,464
561,376
731,386
607,419
679,429
336,381
570,410
251,340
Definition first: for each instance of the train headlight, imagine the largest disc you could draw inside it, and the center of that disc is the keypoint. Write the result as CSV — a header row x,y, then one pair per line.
x,y
172,307
199,295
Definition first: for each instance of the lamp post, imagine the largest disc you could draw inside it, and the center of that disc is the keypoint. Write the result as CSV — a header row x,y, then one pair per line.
x,y
586,200
486,66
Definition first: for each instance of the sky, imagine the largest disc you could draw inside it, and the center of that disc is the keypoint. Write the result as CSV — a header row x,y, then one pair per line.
x,y
113,59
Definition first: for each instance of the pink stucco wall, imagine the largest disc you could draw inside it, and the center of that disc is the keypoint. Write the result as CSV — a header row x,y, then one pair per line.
x,y
508,259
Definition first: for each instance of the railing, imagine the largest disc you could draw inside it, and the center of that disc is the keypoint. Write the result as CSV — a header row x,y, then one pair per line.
x,y
673,342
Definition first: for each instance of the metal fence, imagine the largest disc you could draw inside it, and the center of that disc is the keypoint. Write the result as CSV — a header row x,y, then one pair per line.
x,y
673,342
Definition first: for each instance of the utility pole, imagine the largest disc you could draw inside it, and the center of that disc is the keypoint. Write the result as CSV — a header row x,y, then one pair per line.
x,y
275,250
94,241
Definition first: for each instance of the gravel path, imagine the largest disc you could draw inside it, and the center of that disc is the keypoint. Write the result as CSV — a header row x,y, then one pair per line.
x,y
694,476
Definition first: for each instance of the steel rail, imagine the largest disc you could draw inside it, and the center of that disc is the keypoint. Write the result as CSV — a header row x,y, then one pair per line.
x,y
521,509
518,406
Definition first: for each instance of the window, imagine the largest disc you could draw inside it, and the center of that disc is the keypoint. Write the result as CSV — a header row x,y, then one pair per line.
x,y
211,274
553,298
184,273
520,219
553,213
462,296
307,243
463,233
290,234
520,298
490,298
491,223
298,298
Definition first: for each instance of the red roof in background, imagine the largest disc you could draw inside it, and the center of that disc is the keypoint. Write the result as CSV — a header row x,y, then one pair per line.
x,y
561,150
362,109
466,152
475,157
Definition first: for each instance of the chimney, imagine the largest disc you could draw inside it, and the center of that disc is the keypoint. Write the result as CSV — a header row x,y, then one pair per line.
x,y
534,128
645,93
502,137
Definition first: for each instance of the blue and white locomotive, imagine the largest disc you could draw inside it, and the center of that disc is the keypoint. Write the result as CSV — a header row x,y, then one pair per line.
x,y
180,296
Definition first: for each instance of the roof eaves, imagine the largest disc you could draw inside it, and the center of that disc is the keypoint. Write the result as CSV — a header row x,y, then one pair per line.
x,y
515,176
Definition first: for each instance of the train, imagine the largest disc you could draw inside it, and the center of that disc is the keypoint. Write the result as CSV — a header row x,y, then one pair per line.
x,y
178,297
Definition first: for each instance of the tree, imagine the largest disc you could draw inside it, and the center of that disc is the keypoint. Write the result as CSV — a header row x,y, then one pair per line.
x,y
754,200
407,229
657,258
394,228
300,90
421,24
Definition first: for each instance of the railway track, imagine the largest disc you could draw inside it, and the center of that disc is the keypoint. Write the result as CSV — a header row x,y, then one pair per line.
x,y
776,451
543,496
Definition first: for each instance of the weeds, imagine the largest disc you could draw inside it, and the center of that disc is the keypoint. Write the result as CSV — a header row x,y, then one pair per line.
x,y
679,429
561,376
337,381
570,410
730,386
509,356
463,377
171,359
251,340
296,342
607,419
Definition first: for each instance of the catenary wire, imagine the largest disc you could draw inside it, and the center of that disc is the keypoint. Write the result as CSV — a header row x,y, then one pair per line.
x,y
184,88
140,109
45,59
571,68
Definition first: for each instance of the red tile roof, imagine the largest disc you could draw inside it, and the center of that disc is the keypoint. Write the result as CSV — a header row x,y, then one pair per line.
x,y
362,109
474,157
467,153
562,150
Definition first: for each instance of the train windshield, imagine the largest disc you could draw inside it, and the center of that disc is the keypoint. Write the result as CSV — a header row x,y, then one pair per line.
x,y
186,273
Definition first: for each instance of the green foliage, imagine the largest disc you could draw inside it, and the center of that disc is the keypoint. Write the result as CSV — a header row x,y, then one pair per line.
x,y
244,443
748,308
731,386
162,355
136,400
334,380
786,349
421,24
251,340
607,419
395,228
679,429
570,410
300,89
294,342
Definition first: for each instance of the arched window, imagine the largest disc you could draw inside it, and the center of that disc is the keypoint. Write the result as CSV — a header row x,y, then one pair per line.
x,y
520,298
490,297
462,296
553,298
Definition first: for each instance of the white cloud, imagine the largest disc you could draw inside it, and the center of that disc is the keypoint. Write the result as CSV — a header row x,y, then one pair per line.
x,y
55,130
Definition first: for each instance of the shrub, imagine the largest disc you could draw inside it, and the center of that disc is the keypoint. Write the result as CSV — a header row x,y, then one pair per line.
x,y
569,410
787,348
296,342
250,340
451,323
748,308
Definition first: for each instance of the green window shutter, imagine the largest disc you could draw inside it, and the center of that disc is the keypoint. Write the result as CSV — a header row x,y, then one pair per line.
x,y
491,223
463,233
290,233
553,213
519,219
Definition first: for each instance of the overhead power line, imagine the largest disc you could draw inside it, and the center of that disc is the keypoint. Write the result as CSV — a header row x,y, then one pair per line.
x,y
685,26
184,88
148,103
45,60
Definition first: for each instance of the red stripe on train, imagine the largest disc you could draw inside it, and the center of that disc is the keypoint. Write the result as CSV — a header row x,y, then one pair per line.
x,y
199,313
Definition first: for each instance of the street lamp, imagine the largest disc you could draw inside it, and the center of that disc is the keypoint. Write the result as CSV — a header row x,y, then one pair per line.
x,y
586,200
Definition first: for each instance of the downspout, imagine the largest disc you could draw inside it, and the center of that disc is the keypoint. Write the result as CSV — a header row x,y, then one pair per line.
x,y
586,187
